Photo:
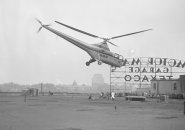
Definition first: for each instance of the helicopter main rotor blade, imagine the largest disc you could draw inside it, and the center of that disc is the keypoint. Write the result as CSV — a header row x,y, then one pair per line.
x,y
129,34
112,43
78,30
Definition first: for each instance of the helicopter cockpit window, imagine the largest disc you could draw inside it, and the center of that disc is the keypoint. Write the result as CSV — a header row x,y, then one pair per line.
x,y
118,56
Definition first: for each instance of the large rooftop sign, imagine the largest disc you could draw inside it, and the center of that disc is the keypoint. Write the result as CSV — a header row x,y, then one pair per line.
x,y
154,61
144,69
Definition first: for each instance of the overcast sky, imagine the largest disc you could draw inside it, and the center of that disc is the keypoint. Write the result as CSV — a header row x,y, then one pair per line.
x,y
28,57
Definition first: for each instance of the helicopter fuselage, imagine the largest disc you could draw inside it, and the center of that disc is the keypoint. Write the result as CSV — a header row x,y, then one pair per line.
x,y
96,52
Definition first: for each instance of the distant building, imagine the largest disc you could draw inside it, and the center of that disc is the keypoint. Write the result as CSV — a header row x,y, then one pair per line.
x,y
98,84
74,83
174,86
75,87
97,80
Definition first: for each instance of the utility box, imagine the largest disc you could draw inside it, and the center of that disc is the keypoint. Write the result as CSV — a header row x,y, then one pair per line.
x,y
164,98
32,92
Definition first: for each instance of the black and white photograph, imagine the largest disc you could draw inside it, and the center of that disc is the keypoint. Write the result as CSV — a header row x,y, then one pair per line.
x,y
92,65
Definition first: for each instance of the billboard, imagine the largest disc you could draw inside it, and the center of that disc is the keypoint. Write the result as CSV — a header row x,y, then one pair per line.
x,y
144,69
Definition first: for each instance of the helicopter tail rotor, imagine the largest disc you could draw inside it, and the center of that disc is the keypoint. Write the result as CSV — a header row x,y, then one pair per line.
x,y
47,25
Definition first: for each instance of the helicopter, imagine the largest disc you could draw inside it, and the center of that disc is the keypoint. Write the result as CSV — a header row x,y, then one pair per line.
x,y
99,52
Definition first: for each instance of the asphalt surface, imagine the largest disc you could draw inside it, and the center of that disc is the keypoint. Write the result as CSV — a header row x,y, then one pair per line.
x,y
64,112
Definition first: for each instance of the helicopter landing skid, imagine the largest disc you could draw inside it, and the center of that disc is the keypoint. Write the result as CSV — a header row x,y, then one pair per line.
x,y
99,62
90,61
